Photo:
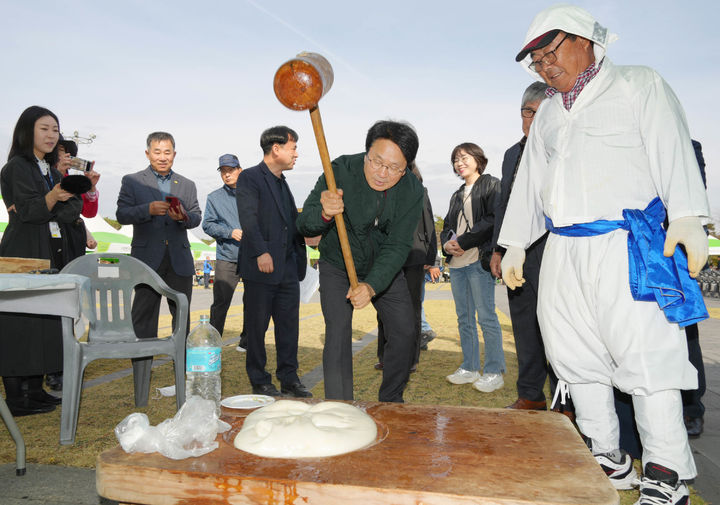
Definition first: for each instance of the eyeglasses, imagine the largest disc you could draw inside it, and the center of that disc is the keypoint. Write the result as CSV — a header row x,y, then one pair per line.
x,y
378,165
547,59
465,158
527,112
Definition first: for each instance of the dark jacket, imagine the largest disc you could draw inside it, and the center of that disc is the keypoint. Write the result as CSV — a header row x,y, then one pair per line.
x,y
152,235
265,229
28,233
31,344
424,248
483,195
700,159
380,224
509,166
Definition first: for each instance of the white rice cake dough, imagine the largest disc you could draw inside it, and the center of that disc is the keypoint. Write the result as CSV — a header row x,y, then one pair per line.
x,y
293,429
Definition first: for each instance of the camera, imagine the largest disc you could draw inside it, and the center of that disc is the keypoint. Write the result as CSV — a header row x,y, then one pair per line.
x,y
81,164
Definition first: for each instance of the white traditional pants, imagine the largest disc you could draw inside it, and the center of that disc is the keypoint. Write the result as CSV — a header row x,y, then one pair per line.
x,y
597,336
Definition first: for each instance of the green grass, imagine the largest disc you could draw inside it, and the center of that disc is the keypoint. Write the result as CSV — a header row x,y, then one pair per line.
x,y
104,406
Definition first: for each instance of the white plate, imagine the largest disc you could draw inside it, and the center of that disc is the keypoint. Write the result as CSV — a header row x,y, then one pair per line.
x,y
246,401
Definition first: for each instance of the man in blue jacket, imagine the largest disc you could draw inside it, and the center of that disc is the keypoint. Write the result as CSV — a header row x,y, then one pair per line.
x,y
272,263
222,223
207,268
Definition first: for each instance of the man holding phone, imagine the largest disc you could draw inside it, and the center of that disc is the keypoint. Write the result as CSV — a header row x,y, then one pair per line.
x,y
161,205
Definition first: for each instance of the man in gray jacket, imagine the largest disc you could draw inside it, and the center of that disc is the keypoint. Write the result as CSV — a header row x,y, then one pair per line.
x,y
159,228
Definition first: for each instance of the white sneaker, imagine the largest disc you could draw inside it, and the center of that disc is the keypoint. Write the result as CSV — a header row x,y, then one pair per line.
x,y
661,486
618,466
240,348
489,382
462,376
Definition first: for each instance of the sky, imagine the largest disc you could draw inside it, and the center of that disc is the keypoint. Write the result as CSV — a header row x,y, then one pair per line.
x,y
203,71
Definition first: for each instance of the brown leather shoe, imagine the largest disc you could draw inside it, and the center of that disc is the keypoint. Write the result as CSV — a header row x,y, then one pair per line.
x,y
568,413
525,404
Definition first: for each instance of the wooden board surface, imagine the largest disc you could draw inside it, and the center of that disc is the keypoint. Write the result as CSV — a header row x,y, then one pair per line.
x,y
429,455
22,265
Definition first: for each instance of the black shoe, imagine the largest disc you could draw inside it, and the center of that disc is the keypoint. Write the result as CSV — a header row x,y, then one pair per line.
x,y
296,389
26,406
54,381
378,365
265,389
694,426
43,396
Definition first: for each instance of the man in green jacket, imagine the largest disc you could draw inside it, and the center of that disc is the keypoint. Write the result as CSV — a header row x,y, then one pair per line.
x,y
381,209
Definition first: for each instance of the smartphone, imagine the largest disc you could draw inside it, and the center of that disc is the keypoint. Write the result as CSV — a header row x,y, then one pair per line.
x,y
174,202
81,164
176,206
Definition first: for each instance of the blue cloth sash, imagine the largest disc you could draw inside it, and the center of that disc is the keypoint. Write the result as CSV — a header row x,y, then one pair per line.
x,y
653,277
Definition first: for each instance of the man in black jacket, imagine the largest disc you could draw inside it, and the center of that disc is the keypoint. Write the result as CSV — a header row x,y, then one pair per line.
x,y
271,263
533,367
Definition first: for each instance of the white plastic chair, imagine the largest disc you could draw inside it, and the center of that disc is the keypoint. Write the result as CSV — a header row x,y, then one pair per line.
x,y
113,278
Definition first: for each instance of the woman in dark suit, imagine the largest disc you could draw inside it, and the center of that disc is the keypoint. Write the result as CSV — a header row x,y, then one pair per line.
x,y
31,345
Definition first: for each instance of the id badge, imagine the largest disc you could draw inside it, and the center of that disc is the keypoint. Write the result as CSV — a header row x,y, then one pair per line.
x,y
55,230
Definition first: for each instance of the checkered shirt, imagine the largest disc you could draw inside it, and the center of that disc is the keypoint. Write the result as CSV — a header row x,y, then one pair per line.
x,y
585,77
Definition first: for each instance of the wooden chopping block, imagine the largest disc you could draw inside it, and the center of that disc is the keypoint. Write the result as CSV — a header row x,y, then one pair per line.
x,y
430,455
22,265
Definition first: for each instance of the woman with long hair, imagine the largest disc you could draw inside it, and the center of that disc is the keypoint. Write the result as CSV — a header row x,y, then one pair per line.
x,y
467,241
31,345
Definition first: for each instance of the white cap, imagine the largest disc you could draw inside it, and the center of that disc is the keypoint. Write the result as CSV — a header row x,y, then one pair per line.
x,y
570,19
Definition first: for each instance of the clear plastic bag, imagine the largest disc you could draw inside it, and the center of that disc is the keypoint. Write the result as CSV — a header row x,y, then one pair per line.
x,y
190,433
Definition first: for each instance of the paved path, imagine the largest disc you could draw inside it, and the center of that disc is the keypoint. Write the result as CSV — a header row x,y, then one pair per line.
x,y
48,484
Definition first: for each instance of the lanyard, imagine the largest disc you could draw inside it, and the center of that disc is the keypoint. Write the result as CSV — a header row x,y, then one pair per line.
x,y
49,180
47,176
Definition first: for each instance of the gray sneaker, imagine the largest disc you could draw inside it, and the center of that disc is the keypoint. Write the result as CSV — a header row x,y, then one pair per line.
x,y
489,382
425,338
462,376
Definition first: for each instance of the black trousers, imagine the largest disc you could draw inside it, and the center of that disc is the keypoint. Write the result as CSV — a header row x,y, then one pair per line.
x,y
396,312
146,305
692,399
415,277
533,367
281,302
226,280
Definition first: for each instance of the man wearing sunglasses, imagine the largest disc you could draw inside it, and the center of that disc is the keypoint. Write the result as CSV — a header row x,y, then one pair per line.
x,y
608,154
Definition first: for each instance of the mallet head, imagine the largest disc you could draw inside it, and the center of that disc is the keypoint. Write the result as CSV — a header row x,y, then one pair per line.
x,y
301,82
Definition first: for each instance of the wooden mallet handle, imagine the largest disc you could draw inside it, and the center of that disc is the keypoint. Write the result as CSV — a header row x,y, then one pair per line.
x,y
299,84
330,180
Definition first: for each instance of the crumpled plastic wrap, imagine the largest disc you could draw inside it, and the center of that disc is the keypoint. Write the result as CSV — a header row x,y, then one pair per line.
x,y
189,434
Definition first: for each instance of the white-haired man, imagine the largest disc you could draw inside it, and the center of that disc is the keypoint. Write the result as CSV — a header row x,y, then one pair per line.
x,y
606,156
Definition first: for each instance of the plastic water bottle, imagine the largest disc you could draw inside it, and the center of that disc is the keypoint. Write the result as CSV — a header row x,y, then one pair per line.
x,y
203,362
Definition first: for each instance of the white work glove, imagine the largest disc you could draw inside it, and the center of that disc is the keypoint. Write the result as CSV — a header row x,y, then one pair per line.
x,y
689,232
512,267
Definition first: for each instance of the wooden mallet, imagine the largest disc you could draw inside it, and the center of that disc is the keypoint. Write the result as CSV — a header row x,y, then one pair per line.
x,y
299,85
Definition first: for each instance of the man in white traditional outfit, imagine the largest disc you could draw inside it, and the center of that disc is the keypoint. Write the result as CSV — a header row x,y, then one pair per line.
x,y
607,154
